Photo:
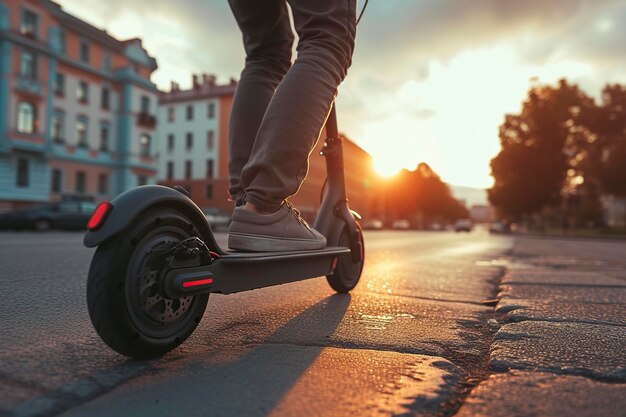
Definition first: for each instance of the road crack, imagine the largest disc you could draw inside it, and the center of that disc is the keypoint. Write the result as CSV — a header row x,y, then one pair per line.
x,y
477,366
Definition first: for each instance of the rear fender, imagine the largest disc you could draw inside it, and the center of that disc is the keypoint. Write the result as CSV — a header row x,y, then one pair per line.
x,y
128,205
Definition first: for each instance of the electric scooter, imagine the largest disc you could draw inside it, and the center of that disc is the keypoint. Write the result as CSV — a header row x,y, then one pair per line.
x,y
157,260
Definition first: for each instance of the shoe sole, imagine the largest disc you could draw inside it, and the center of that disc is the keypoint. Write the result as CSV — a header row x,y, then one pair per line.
x,y
260,243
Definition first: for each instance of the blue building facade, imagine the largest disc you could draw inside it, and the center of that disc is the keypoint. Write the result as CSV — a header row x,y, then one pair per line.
x,y
77,108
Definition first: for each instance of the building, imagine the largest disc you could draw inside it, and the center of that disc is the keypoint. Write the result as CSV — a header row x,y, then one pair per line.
x,y
193,140
193,150
77,107
359,175
481,213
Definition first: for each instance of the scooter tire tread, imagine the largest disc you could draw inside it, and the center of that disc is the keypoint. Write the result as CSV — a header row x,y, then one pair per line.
x,y
106,297
338,280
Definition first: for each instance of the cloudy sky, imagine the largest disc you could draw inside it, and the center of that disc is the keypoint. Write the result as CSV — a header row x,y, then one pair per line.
x,y
431,80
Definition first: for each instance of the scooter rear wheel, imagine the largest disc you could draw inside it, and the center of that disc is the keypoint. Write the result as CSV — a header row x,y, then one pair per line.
x,y
127,309
347,272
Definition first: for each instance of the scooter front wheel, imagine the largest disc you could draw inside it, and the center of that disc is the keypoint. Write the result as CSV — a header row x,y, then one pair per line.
x,y
126,306
347,272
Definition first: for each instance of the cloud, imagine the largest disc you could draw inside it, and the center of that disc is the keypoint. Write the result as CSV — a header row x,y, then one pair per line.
x,y
185,36
396,39
418,65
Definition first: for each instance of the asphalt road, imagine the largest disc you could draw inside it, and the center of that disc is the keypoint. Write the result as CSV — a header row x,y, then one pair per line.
x,y
412,337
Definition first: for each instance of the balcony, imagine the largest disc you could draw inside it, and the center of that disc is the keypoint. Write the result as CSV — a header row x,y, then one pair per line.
x,y
30,142
28,85
146,120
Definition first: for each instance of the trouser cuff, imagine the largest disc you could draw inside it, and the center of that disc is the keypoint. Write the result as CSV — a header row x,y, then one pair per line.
x,y
260,204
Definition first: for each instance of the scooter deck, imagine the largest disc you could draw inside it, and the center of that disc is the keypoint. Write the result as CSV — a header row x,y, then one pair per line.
x,y
234,257
242,271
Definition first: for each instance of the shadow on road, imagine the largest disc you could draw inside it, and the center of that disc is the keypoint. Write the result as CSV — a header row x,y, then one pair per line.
x,y
253,382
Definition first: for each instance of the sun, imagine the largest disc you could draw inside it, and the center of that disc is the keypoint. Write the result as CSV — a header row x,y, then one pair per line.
x,y
386,168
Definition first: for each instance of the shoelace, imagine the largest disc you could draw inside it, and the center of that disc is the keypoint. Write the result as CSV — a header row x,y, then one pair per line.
x,y
296,212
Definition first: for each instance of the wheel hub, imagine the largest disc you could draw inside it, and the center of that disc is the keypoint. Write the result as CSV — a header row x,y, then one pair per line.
x,y
158,308
152,308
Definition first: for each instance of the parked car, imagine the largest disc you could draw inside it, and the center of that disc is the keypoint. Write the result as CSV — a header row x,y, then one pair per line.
x,y
373,224
401,224
498,227
65,215
436,227
217,218
463,225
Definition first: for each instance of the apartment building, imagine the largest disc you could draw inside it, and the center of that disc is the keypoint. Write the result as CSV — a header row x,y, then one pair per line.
x,y
193,139
77,108
193,150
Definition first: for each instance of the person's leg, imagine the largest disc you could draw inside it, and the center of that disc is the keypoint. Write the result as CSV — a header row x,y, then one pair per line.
x,y
299,107
290,128
268,42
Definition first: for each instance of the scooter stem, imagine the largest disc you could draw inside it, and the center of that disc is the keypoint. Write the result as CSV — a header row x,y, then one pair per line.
x,y
334,212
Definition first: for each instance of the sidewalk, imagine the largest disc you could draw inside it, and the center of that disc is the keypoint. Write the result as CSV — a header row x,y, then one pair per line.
x,y
560,349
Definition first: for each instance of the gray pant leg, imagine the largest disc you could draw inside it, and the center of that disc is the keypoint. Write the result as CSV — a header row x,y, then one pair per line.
x,y
268,42
299,107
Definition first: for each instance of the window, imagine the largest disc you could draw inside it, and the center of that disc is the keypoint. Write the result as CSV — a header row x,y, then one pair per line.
x,y
170,170
209,192
188,169
84,52
142,180
145,104
28,65
82,93
107,61
81,180
56,183
189,140
104,137
87,207
69,207
211,110
26,117
59,84
29,24
104,98
58,125
209,168
171,113
210,140
170,142
103,183
144,145
21,179
189,112
81,133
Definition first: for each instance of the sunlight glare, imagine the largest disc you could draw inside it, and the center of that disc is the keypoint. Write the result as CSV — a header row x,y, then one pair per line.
x,y
450,119
386,167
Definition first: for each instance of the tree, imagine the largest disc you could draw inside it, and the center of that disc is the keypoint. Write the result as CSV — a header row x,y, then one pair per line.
x,y
434,199
537,150
419,196
608,161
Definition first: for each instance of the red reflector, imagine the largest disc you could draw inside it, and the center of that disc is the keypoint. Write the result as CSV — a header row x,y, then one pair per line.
x,y
197,282
98,216
334,265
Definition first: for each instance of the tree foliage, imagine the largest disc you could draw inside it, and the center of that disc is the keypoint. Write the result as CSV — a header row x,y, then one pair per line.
x,y
419,196
541,148
608,159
